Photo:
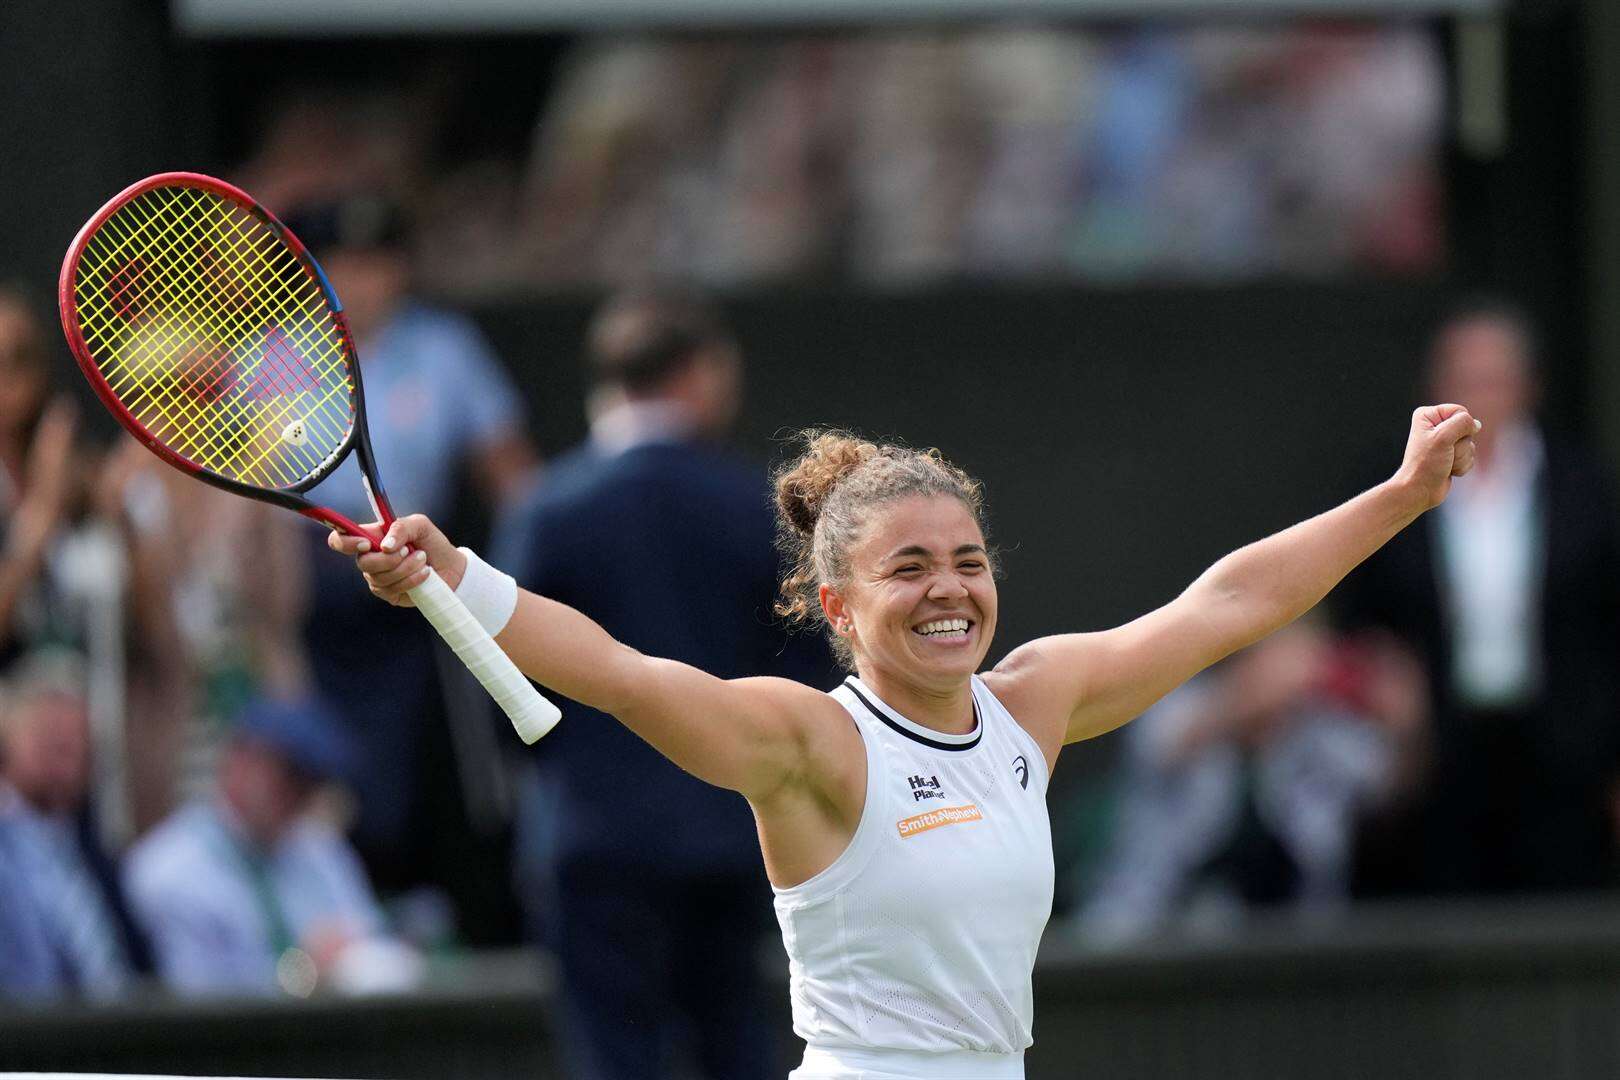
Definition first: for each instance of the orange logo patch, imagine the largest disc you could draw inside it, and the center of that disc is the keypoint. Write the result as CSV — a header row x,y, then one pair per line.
x,y
947,815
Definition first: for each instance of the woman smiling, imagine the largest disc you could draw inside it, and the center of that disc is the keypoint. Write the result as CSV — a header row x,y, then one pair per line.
x,y
902,816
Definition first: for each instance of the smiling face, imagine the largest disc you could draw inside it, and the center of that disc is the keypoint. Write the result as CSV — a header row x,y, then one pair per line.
x,y
920,602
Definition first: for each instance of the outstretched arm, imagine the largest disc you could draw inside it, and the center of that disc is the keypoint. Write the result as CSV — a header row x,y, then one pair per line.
x,y
750,735
1075,686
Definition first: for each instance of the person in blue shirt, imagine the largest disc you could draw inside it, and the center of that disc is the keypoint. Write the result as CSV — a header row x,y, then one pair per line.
x,y
440,408
657,927
246,891
65,928
30,968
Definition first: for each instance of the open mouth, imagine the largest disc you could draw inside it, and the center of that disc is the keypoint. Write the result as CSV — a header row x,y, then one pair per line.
x,y
944,629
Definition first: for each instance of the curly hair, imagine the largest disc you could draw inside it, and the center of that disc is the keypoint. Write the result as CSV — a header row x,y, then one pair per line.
x,y
823,498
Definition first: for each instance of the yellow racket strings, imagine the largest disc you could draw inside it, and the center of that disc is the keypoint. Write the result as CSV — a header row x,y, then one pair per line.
x,y
210,332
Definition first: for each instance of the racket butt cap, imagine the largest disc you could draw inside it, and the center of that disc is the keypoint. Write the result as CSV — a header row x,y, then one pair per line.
x,y
533,725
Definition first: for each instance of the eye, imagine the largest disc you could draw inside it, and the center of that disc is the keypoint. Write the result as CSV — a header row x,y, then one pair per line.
x,y
909,569
972,565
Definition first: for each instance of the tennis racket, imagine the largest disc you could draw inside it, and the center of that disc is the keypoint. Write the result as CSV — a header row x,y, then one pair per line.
x,y
214,338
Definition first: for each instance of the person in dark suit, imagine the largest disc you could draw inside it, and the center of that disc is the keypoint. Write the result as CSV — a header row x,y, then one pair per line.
x,y
666,539
1511,595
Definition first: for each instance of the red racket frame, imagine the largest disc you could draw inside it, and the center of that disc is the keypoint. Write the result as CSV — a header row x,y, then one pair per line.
x,y
358,440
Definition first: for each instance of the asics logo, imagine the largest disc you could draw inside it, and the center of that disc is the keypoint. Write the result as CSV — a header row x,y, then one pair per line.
x,y
1021,770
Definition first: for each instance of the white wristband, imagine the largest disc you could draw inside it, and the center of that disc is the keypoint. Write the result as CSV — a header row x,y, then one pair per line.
x,y
490,595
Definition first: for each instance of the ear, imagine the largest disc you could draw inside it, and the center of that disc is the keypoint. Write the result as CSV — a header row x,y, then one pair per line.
x,y
834,606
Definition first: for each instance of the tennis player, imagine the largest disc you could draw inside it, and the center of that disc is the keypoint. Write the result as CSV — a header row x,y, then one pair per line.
x,y
902,816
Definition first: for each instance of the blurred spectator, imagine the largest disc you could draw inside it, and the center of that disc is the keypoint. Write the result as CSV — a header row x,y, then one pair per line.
x,y
69,580
322,142
1511,595
68,921
209,634
654,893
38,481
249,890
911,157
437,397
1243,788
440,406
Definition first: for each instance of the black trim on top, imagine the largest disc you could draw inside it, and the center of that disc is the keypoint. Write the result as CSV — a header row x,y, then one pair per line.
x,y
978,723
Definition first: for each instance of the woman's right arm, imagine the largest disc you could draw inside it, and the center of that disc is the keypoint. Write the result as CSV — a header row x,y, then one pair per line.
x,y
753,736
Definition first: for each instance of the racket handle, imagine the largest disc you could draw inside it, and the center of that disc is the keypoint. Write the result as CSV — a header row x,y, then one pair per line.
x,y
531,714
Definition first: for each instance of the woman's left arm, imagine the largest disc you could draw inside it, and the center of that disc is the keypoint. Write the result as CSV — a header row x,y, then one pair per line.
x,y
1074,686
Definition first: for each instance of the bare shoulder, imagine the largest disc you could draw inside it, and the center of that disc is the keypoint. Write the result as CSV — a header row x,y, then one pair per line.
x,y
836,754
804,706
1036,682
1079,686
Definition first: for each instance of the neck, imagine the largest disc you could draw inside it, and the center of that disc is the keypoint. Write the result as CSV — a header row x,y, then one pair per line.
x,y
641,420
23,797
1491,444
946,709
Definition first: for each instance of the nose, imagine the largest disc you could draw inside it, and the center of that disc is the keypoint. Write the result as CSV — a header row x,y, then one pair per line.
x,y
947,587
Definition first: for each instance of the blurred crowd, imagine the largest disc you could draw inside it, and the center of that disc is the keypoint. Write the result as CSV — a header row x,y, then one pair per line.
x,y
243,775
1131,153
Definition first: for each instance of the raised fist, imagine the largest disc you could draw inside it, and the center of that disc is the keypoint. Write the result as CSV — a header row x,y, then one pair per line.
x,y
1440,447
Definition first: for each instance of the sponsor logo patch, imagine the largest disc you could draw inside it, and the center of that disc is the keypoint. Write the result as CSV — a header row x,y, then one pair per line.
x,y
925,788
945,815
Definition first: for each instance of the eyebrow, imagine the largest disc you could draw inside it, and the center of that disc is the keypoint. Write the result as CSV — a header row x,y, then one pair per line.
x,y
918,549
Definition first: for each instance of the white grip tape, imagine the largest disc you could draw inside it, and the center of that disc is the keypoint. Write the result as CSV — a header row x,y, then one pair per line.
x,y
531,714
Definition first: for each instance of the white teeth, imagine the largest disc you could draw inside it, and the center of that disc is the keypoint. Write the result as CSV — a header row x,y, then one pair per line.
x,y
943,626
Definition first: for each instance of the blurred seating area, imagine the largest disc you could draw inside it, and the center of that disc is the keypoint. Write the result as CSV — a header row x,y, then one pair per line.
x,y
1135,153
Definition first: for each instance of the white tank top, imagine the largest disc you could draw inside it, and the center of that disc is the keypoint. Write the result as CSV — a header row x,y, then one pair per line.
x,y
920,938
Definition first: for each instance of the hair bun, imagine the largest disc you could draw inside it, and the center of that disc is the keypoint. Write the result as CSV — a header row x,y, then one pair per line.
x,y
802,488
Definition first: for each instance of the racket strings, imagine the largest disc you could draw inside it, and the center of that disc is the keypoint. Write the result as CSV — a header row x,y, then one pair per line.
x,y
183,350
213,335
198,380
203,381
161,337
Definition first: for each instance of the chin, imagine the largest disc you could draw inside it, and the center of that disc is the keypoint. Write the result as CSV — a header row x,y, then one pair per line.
x,y
954,667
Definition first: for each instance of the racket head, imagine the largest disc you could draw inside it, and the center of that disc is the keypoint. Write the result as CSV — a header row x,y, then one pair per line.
x,y
213,336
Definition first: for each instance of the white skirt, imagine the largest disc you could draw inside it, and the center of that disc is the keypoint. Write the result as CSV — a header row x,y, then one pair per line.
x,y
847,1063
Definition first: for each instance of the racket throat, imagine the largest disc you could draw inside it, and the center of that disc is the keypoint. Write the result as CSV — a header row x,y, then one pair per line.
x,y
378,506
